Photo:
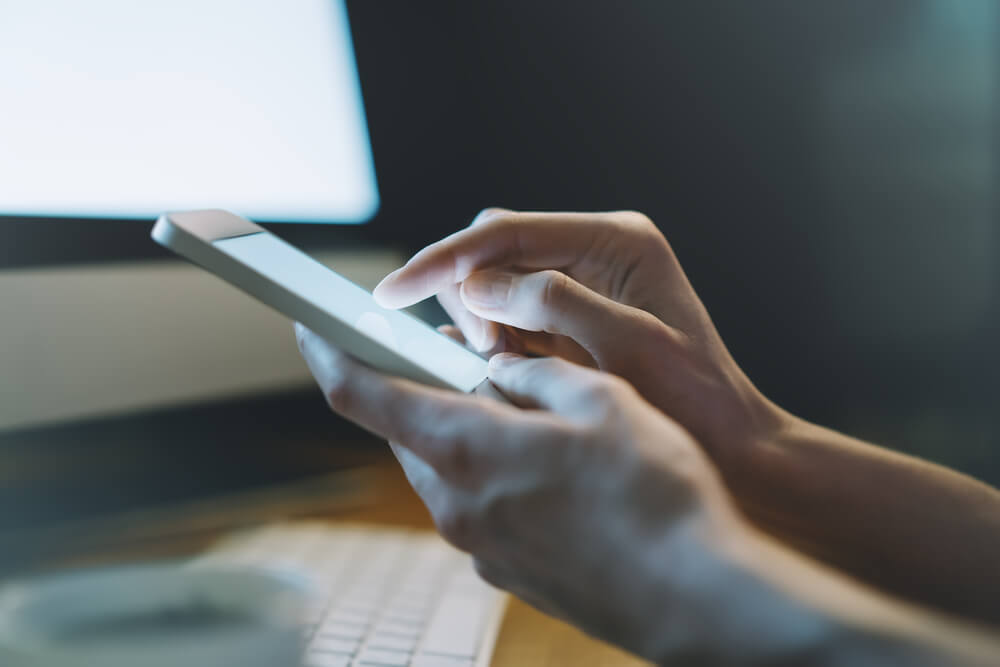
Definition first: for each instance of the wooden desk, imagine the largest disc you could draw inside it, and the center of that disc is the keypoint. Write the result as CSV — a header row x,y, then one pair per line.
x,y
527,637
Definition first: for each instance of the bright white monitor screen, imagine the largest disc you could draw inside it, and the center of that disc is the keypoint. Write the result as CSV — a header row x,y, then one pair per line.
x,y
124,109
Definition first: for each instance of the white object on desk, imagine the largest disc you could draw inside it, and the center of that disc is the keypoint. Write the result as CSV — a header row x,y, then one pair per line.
x,y
154,616
381,596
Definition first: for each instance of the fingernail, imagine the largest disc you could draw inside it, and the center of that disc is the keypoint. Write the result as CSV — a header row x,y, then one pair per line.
x,y
476,334
483,335
488,289
503,360
491,331
386,283
390,276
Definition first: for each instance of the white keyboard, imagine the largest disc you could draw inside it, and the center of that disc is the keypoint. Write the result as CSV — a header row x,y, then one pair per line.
x,y
385,597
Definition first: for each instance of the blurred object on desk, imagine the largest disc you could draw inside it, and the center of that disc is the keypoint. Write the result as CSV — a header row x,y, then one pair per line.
x,y
381,596
160,615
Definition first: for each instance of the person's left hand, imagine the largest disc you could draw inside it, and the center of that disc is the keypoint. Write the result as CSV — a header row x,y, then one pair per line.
x,y
577,496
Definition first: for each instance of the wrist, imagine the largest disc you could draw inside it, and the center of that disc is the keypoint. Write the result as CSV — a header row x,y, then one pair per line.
x,y
775,476
721,604
746,442
738,597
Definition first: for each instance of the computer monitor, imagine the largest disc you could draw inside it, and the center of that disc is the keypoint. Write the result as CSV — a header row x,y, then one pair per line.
x,y
115,111
118,109
128,383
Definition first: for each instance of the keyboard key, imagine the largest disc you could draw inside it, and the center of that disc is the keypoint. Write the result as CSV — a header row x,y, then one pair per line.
x,y
393,642
400,630
339,631
454,627
382,596
356,613
349,617
405,620
321,643
384,658
439,661
327,660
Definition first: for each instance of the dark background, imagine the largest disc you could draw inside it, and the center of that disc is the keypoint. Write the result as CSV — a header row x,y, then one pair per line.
x,y
826,173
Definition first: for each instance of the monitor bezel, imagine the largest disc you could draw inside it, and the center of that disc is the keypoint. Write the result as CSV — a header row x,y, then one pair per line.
x,y
27,241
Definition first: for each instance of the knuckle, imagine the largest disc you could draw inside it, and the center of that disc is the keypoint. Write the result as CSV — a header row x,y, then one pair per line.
x,y
654,334
641,225
622,391
433,441
599,389
604,396
491,215
451,446
620,388
554,285
670,346
459,458
637,220
536,372
337,391
425,443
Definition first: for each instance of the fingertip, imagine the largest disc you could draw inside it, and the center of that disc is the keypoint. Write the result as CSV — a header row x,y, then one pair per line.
x,y
489,337
481,333
313,345
301,333
453,332
499,362
411,283
383,292
382,301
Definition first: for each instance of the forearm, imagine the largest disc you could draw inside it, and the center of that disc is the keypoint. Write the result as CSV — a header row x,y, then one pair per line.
x,y
745,599
905,525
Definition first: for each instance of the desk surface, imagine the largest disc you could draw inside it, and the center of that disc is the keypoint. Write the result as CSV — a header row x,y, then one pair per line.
x,y
527,637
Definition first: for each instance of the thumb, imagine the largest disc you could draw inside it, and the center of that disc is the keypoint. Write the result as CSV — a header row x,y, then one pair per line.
x,y
552,302
549,383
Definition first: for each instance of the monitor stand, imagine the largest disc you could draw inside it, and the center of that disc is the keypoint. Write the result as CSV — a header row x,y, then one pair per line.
x,y
113,338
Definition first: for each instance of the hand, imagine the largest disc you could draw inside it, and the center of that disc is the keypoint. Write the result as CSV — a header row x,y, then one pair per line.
x,y
606,287
590,504
580,497
602,289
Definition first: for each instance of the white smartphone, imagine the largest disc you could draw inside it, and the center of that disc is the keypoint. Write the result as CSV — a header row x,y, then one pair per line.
x,y
291,282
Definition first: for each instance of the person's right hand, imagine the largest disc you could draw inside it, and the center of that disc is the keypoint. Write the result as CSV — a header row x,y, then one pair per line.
x,y
607,287
603,289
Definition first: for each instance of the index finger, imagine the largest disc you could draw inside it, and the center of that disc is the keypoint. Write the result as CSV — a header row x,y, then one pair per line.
x,y
452,432
500,238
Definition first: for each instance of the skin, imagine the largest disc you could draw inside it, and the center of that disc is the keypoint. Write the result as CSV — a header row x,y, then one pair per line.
x,y
577,495
605,290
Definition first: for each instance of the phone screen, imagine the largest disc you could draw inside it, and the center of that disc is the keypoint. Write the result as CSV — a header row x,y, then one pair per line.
x,y
298,272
